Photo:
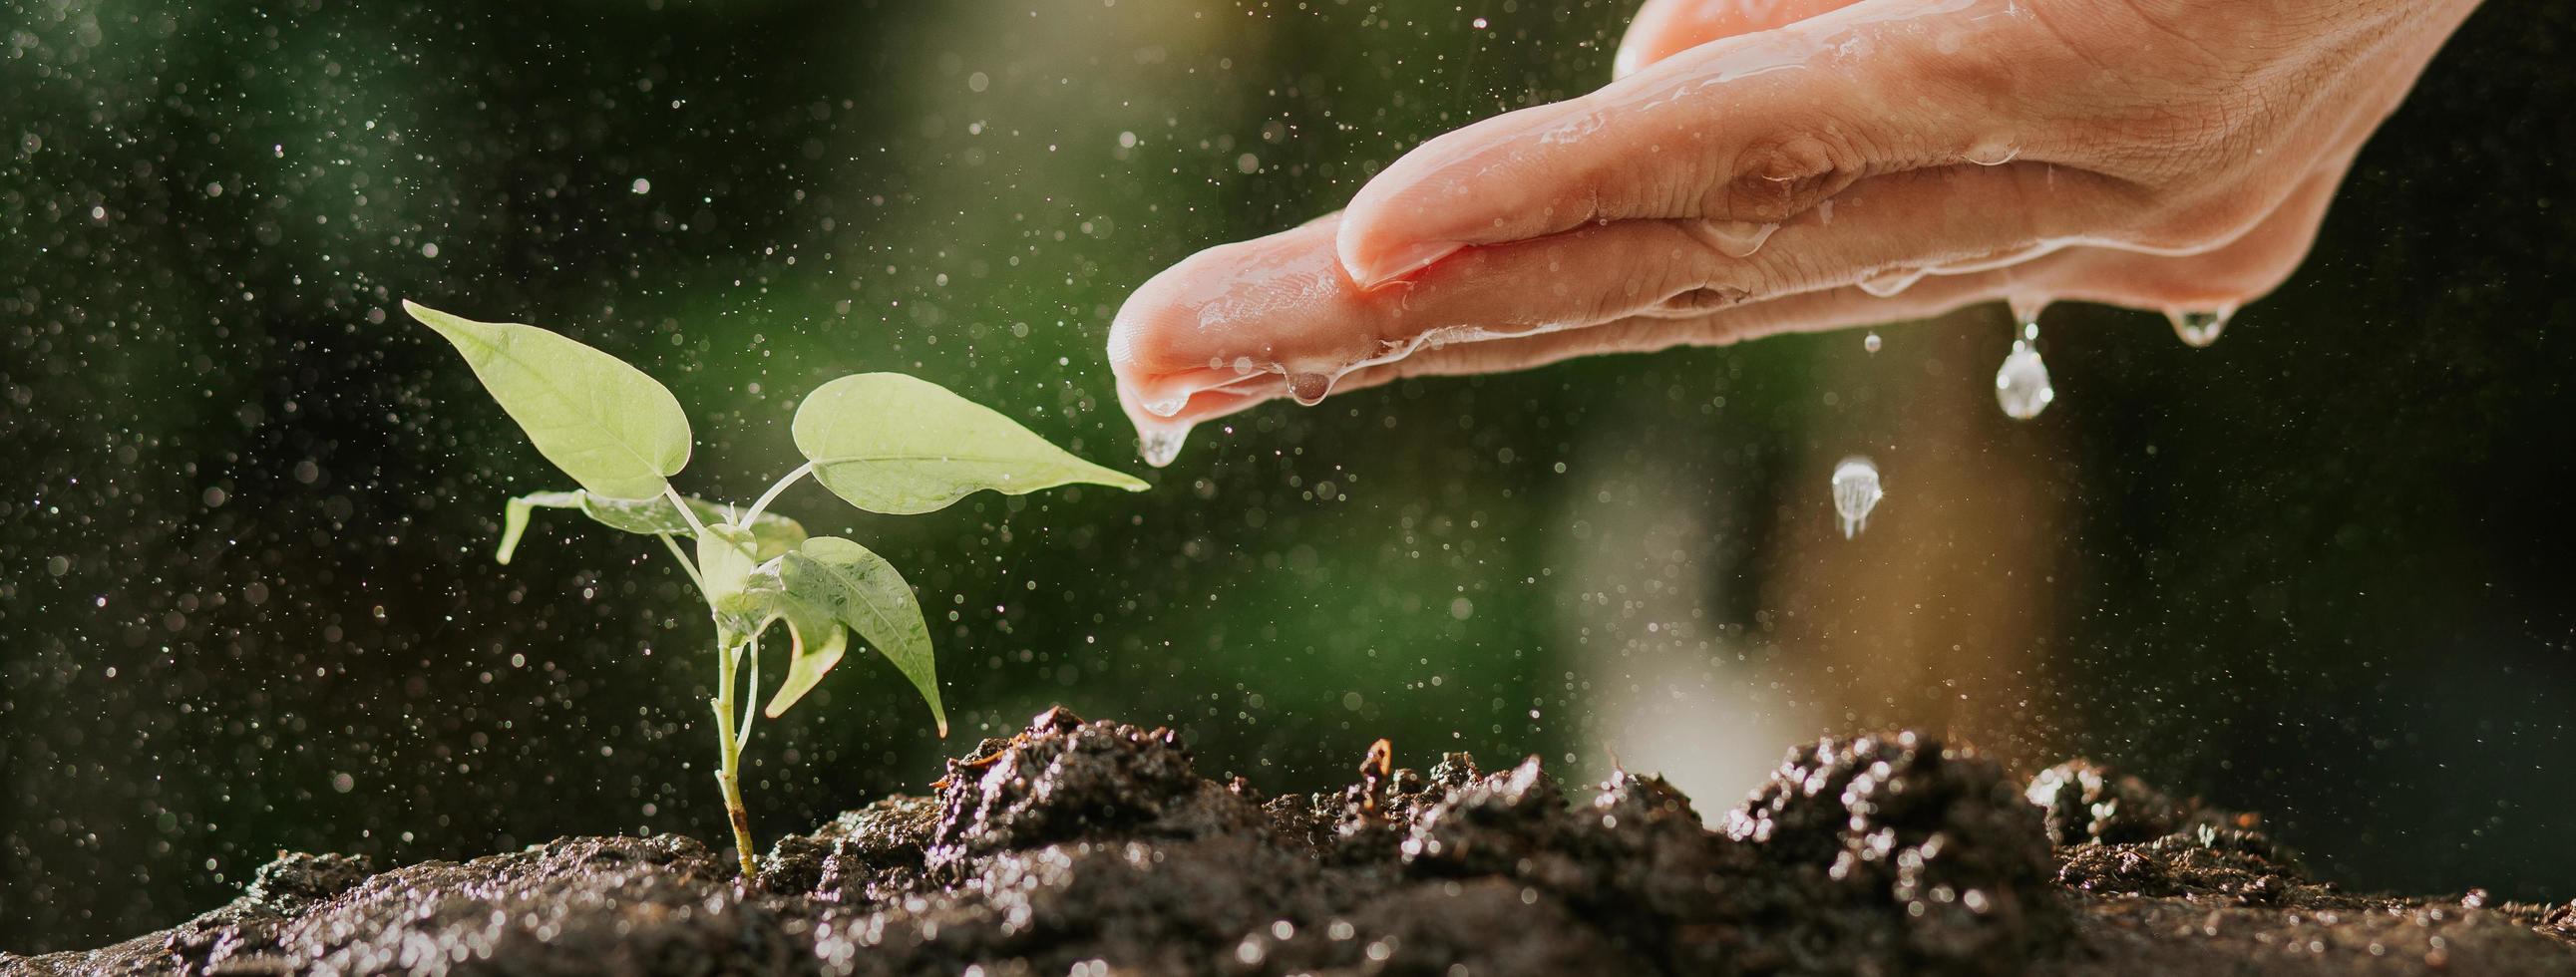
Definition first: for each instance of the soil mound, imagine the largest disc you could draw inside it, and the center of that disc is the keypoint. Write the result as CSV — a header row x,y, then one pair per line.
x,y
1095,848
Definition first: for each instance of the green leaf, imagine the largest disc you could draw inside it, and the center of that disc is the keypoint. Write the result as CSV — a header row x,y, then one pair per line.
x,y
864,593
772,534
761,603
725,563
898,445
819,640
514,517
613,429
819,643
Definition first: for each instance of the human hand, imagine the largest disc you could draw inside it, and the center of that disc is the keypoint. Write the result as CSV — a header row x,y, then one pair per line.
x,y
1877,161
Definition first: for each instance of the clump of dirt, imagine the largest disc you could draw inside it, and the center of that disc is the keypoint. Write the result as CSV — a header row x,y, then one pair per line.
x,y
1095,847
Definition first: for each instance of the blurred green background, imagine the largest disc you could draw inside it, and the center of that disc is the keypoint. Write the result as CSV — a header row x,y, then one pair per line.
x,y
247,601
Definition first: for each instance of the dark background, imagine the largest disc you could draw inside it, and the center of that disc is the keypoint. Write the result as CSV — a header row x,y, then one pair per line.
x,y
246,510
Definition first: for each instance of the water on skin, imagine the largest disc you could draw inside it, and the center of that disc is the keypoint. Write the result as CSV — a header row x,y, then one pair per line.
x,y
2199,328
1261,300
1994,151
1735,239
1308,389
1167,406
1887,284
1856,492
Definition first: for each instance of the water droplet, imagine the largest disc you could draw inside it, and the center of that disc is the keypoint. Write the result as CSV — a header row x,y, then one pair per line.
x,y
2200,328
1856,491
1887,284
1870,342
1161,443
1167,406
1993,152
1309,388
2021,385
1735,239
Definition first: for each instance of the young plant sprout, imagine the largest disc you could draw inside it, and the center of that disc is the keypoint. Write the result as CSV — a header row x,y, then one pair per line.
x,y
885,442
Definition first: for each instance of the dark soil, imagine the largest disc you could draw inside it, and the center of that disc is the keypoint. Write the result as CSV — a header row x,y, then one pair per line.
x,y
1096,848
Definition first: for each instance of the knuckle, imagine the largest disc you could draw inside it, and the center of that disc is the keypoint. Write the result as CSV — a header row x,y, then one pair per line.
x,y
1777,176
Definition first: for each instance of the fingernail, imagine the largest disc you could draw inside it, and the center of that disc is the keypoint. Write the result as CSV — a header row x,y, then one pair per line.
x,y
1375,271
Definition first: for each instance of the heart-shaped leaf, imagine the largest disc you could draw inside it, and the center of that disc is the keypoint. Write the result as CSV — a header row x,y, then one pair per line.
x,y
865,594
771,534
900,445
613,429
725,563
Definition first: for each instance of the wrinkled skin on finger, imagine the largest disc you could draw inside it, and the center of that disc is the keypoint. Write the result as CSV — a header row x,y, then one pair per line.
x,y
1780,165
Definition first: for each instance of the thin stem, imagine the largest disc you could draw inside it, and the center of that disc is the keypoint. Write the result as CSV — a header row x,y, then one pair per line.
x,y
685,562
751,696
729,775
685,512
761,504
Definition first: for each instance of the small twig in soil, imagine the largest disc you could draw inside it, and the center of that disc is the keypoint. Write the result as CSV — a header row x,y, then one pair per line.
x,y
1375,770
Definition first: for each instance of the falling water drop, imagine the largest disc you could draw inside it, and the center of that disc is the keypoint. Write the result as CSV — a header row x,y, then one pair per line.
x,y
1856,491
2021,385
1309,388
1161,443
2199,328
1870,342
2026,310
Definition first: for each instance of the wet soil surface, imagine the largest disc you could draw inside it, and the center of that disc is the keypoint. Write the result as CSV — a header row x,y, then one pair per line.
x,y
1096,848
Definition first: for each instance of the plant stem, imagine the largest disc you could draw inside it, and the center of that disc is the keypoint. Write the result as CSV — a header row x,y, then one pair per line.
x,y
729,774
685,512
750,696
685,562
761,504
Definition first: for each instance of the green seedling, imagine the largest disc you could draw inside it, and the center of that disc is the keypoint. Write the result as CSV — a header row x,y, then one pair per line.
x,y
885,442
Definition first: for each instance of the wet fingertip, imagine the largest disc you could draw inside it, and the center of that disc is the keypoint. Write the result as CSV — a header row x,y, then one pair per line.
x,y
1158,436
